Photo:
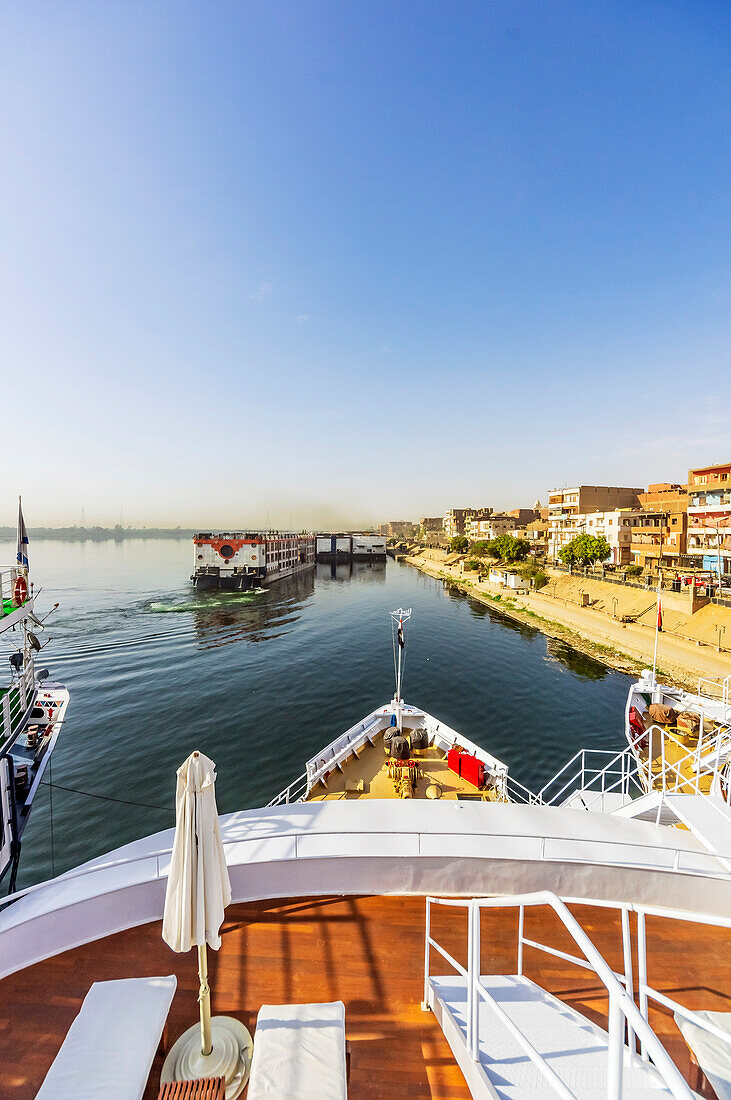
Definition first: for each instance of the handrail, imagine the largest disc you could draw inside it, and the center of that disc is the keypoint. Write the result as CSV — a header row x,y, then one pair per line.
x,y
622,1007
472,1017
616,766
645,990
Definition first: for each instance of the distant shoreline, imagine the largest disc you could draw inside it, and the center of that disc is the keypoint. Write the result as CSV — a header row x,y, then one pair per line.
x,y
100,534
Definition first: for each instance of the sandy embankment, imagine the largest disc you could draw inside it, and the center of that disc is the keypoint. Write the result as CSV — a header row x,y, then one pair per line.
x,y
687,647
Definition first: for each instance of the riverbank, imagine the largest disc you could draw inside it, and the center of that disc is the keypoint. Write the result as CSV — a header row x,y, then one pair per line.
x,y
625,646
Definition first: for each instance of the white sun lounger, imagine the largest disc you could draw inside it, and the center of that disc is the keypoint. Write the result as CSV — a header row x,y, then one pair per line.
x,y
713,1054
109,1048
299,1053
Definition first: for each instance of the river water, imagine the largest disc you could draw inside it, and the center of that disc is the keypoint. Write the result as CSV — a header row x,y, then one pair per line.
x,y
260,681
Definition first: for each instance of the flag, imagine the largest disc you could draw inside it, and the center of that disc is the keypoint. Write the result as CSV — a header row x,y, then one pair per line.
x,y
400,635
22,538
659,614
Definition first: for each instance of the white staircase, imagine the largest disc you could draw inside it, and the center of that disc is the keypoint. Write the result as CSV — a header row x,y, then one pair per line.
x,y
513,1040
706,816
572,1046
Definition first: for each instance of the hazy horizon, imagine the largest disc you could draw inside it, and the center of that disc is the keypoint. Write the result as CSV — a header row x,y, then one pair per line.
x,y
332,264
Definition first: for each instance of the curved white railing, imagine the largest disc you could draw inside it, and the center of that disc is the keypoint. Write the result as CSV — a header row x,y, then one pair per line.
x,y
622,1008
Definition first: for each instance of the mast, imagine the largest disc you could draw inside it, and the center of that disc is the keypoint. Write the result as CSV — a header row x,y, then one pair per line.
x,y
399,617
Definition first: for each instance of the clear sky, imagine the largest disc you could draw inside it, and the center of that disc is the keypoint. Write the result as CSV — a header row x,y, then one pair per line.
x,y
353,261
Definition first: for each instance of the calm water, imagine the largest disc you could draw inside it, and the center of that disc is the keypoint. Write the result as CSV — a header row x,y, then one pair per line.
x,y
260,681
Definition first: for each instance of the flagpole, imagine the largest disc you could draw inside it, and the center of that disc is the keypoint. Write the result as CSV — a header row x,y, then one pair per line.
x,y
657,634
400,651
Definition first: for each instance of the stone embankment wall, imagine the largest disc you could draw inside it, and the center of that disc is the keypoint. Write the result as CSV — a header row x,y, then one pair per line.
x,y
617,625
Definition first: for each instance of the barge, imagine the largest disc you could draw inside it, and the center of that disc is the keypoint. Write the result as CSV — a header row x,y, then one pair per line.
x,y
239,561
341,548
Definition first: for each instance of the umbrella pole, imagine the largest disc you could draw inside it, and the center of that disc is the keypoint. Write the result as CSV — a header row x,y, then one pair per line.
x,y
204,999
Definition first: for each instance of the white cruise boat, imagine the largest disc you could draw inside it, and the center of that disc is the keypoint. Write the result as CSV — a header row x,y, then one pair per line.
x,y
32,709
681,740
465,936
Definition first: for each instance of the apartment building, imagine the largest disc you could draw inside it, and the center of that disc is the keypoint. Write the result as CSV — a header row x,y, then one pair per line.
x,y
457,520
499,523
431,525
661,536
616,526
709,518
567,506
536,533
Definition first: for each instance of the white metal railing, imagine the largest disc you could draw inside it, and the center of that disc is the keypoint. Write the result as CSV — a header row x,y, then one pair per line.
x,y
515,791
296,790
647,992
623,1012
338,751
684,774
616,775
8,576
717,690
15,702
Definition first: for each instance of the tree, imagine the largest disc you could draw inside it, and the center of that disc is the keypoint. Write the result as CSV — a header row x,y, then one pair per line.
x,y
508,548
459,544
585,550
480,548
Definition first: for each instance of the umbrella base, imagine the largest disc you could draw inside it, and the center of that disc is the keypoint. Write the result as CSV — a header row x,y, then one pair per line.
x,y
229,1058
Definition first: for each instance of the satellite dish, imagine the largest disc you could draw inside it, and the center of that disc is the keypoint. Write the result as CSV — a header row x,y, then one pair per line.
x,y
34,643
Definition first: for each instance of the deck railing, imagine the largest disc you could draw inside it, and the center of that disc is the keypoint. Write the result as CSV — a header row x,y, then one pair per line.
x,y
8,576
293,793
623,1012
596,773
684,775
15,701
717,690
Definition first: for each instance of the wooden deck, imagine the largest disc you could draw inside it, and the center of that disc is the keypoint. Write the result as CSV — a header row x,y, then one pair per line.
x,y
366,951
369,768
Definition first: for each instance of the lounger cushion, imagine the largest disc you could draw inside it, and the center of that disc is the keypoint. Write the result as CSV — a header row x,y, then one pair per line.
x,y
714,1056
299,1053
109,1048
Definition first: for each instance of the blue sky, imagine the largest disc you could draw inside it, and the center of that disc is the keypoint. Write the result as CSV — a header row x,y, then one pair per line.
x,y
358,261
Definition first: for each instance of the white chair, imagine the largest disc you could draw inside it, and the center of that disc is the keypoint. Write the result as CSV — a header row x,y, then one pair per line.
x,y
299,1053
110,1047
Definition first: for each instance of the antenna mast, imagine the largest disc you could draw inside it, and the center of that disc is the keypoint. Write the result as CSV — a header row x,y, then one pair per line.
x,y
399,617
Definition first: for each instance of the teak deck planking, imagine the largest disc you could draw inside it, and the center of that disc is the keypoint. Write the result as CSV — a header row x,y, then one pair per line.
x,y
367,952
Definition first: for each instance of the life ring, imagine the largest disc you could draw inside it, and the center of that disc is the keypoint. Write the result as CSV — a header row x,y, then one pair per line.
x,y
20,591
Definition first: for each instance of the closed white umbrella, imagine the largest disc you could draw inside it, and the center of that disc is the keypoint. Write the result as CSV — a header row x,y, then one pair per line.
x,y
198,892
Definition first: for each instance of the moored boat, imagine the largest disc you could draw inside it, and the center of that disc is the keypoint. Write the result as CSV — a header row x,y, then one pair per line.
x,y
32,708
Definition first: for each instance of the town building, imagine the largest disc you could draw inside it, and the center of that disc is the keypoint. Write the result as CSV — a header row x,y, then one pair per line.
x,y
523,516
431,526
661,536
617,527
709,519
491,527
400,529
567,506
536,533
456,520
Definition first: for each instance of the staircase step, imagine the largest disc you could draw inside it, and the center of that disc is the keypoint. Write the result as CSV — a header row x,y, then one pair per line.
x,y
574,1047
